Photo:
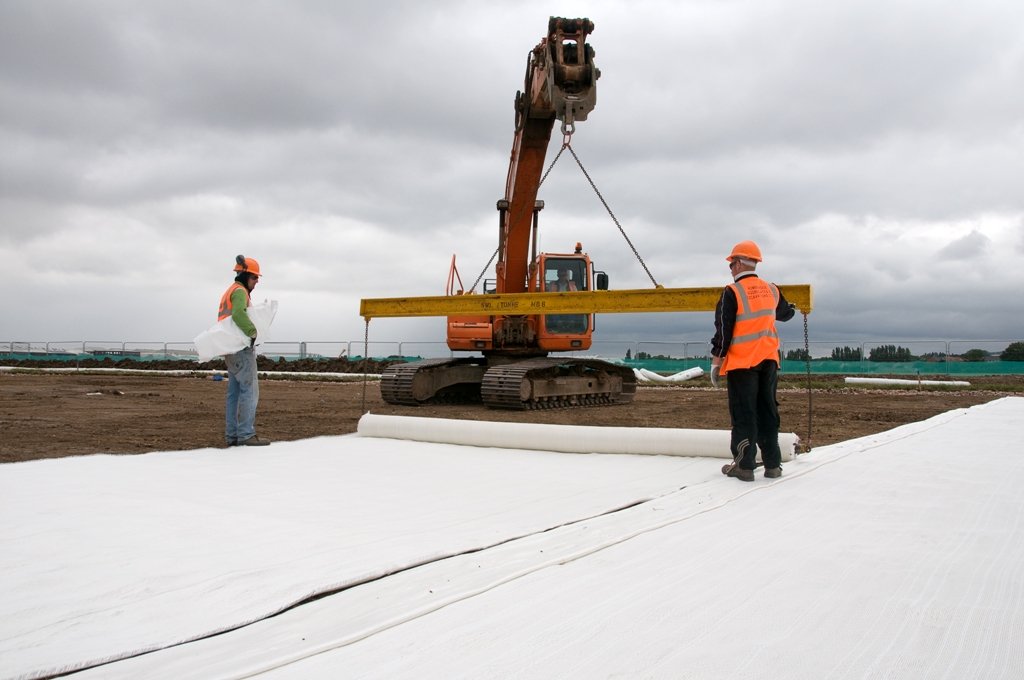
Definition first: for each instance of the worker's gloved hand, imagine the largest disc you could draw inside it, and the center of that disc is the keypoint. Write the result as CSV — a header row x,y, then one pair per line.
x,y
714,375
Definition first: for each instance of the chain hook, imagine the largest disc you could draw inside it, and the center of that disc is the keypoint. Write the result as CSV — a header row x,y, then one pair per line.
x,y
567,130
568,122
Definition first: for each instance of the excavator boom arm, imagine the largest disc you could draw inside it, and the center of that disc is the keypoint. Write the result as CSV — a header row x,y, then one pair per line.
x,y
561,83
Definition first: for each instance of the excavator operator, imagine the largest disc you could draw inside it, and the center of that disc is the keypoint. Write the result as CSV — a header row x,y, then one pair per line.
x,y
571,324
563,283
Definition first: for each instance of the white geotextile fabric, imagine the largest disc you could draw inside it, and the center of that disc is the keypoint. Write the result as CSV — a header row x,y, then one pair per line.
x,y
644,375
901,381
106,556
563,438
225,337
890,556
896,555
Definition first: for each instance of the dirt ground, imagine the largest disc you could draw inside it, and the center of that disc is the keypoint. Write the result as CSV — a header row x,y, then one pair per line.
x,y
49,415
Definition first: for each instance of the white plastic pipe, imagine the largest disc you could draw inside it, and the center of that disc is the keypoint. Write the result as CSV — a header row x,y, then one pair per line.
x,y
644,375
661,441
899,381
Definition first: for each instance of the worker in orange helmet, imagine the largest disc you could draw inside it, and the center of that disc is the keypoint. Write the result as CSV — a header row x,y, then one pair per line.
x,y
243,381
745,349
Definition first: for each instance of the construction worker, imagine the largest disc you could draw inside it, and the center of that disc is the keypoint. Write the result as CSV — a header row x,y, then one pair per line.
x,y
563,283
745,349
564,323
243,387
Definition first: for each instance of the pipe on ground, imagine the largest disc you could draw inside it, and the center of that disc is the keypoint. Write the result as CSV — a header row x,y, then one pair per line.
x,y
644,375
900,381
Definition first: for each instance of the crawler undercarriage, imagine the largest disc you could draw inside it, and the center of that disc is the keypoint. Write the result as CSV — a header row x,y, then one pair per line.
x,y
537,383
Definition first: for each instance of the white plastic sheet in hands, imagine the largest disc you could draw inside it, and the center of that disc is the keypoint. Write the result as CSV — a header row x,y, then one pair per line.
x,y
225,337
561,438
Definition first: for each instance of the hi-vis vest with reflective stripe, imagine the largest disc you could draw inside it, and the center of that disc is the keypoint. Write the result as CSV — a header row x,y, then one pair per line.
x,y
225,300
753,337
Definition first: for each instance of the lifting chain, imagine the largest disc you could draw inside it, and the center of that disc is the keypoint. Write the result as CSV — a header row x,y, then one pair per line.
x,y
551,166
566,145
366,356
807,361
484,271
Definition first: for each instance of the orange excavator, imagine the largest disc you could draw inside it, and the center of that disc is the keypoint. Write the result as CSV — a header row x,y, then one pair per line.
x,y
516,370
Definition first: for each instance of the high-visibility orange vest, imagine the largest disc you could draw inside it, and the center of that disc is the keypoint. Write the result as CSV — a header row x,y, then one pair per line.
x,y
225,300
754,338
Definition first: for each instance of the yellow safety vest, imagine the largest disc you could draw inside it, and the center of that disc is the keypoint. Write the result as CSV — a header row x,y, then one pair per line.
x,y
754,338
225,300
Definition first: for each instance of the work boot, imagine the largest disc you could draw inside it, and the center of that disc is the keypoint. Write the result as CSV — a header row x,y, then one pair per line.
x,y
741,474
253,441
773,473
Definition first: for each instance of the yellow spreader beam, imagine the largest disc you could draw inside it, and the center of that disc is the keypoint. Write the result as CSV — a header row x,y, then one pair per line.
x,y
580,302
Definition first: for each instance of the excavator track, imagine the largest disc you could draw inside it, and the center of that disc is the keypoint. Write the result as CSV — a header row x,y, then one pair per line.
x,y
542,383
434,381
547,383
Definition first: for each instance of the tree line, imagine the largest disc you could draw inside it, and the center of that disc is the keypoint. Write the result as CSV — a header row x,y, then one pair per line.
x,y
893,353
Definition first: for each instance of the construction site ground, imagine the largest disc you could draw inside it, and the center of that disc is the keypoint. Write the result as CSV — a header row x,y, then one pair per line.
x,y
49,415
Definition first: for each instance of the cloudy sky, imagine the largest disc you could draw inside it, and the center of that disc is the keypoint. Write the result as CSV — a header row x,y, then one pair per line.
x,y
874,149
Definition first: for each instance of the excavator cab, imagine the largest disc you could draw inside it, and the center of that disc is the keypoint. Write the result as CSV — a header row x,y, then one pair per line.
x,y
565,274
554,273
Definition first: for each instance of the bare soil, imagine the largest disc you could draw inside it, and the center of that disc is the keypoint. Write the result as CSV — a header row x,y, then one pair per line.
x,y
49,415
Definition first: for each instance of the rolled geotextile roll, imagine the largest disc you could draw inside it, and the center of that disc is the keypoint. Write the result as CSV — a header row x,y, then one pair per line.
x,y
899,381
562,438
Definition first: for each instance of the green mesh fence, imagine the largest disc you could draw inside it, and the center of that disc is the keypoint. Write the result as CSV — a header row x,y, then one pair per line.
x,y
62,356
908,367
662,365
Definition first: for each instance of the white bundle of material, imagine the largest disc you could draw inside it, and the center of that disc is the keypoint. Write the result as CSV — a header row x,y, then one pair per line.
x,y
661,441
643,375
898,381
225,337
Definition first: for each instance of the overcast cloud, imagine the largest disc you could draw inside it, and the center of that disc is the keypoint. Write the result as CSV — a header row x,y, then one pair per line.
x,y
873,149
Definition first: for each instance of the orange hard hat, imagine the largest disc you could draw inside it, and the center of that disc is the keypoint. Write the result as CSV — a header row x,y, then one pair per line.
x,y
745,249
247,264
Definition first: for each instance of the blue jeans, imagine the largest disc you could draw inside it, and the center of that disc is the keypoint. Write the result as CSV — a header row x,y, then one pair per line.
x,y
243,395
